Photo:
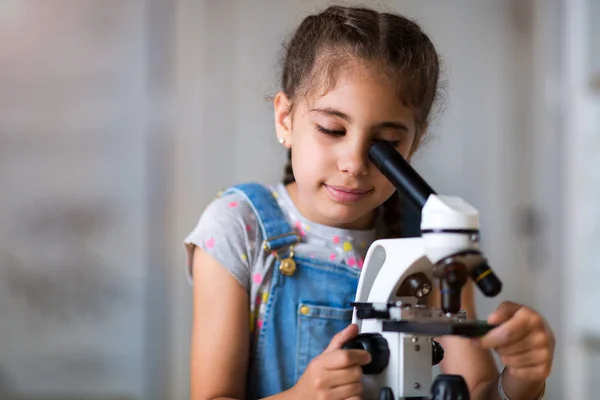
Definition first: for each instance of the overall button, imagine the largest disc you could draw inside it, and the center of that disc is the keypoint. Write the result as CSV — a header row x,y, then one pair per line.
x,y
304,310
287,267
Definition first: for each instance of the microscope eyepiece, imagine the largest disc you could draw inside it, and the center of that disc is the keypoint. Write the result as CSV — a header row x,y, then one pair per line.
x,y
398,171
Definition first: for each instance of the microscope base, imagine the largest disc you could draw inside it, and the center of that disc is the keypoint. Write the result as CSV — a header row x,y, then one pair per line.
x,y
445,387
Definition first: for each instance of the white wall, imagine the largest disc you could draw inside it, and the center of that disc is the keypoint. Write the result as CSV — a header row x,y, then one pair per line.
x,y
73,215
581,174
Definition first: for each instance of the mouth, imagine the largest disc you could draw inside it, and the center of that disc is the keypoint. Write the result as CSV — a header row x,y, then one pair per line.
x,y
343,194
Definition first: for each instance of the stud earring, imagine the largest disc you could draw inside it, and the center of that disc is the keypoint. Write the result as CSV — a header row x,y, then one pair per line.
x,y
280,139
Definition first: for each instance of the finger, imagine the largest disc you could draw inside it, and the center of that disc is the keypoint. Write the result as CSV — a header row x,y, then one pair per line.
x,y
529,359
339,377
347,391
503,312
537,373
508,332
343,359
342,337
533,341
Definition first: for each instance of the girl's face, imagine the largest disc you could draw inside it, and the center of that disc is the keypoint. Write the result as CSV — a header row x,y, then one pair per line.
x,y
336,184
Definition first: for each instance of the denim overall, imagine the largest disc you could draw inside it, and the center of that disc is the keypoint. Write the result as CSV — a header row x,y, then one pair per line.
x,y
303,311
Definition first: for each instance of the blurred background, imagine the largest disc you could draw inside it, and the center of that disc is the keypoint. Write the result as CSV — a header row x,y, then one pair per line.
x,y
121,119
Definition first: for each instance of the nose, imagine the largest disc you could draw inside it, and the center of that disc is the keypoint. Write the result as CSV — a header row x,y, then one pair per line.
x,y
353,159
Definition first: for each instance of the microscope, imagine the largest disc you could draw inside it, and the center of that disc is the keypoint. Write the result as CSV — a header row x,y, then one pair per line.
x,y
395,324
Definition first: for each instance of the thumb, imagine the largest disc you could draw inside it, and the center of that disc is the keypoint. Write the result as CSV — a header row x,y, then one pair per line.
x,y
503,313
342,337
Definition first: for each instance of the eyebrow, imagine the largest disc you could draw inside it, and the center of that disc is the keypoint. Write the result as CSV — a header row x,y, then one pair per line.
x,y
337,113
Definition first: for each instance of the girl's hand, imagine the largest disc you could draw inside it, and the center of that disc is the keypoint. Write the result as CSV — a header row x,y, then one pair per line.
x,y
334,374
523,341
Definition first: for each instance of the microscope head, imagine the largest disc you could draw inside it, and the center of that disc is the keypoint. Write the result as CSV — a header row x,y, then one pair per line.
x,y
449,228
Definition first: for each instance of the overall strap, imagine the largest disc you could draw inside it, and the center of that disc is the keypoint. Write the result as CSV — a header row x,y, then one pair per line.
x,y
276,231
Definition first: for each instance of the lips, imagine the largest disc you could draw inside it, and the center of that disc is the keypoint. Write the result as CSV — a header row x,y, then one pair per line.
x,y
344,194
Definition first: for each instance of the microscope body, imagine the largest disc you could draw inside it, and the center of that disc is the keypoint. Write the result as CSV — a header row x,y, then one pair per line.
x,y
394,291
391,308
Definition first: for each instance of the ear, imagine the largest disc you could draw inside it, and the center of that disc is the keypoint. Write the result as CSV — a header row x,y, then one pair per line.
x,y
283,118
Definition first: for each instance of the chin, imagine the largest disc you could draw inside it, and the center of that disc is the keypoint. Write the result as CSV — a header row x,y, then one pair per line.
x,y
342,214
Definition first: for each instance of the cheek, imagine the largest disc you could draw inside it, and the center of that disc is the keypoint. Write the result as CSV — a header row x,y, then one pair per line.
x,y
310,157
321,157
309,165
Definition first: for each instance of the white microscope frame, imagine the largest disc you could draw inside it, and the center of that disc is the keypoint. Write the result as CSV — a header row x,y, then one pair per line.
x,y
387,264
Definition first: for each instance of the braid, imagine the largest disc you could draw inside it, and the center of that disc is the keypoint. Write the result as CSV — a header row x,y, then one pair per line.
x,y
392,217
288,176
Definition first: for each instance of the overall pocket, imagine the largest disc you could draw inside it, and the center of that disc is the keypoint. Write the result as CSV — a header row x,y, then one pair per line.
x,y
317,325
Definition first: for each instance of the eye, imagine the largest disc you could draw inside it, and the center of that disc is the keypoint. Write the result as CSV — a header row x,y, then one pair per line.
x,y
330,132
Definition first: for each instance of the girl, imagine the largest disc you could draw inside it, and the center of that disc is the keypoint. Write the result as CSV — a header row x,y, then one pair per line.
x,y
287,257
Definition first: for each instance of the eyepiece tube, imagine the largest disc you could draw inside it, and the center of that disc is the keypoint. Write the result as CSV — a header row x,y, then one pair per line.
x,y
398,171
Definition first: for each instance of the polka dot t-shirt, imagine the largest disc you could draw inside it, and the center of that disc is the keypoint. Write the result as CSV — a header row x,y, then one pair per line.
x,y
228,229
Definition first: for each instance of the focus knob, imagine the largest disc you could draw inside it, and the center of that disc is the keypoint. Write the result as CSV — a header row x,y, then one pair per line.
x,y
437,353
377,346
